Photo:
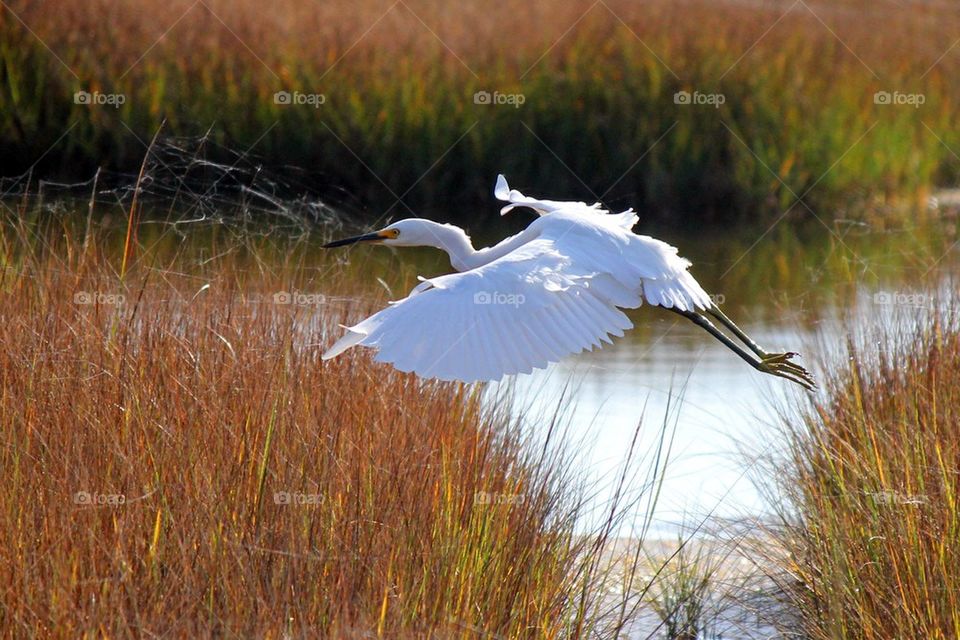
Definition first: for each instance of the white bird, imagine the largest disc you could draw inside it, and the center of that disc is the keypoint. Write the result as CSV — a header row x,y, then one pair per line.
x,y
555,289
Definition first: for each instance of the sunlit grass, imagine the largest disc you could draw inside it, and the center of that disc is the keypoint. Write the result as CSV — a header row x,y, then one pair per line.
x,y
683,595
598,81
178,461
872,535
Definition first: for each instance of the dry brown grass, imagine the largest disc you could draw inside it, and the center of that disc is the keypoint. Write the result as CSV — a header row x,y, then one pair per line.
x,y
873,537
413,511
598,79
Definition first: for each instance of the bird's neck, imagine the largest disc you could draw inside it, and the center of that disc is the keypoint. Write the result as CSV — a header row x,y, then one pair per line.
x,y
463,256
455,242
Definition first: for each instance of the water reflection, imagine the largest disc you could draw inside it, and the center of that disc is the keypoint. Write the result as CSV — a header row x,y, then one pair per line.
x,y
788,294
788,288
723,407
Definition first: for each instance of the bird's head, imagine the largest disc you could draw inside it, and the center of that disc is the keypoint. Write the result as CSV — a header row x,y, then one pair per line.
x,y
413,232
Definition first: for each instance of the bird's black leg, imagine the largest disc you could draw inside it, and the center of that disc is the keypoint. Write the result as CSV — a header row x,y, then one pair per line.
x,y
763,354
774,364
737,331
705,323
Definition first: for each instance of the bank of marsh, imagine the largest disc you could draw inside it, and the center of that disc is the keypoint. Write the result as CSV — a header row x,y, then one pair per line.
x,y
691,111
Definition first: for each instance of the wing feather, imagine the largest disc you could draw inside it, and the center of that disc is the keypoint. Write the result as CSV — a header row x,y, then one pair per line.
x,y
619,259
503,349
555,346
543,353
578,316
575,340
553,334
474,345
608,315
625,219
523,311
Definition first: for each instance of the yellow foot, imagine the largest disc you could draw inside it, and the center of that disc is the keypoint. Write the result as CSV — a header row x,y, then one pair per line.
x,y
779,364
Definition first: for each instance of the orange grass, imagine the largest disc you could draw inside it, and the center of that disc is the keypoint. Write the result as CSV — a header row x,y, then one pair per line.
x,y
873,547
599,79
180,462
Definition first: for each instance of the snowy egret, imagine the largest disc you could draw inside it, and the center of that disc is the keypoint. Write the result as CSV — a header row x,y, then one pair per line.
x,y
554,289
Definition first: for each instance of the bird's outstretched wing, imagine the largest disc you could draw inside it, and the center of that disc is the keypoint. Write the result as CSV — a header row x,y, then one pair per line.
x,y
626,219
523,311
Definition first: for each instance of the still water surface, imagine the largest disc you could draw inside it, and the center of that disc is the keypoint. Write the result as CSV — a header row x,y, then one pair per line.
x,y
790,291
791,287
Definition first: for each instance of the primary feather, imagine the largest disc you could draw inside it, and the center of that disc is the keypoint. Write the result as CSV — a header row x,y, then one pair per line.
x,y
502,191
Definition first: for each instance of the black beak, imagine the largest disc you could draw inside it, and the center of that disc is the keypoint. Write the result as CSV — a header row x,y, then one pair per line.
x,y
367,237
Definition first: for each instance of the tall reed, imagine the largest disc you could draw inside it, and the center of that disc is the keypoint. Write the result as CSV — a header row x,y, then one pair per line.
x,y
177,460
599,118
872,529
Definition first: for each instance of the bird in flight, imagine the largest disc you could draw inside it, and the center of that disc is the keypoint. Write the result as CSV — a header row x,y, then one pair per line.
x,y
555,289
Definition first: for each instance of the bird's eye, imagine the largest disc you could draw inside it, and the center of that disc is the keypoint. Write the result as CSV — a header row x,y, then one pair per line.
x,y
394,233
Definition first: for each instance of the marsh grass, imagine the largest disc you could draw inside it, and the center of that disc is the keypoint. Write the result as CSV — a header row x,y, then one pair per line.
x,y
599,81
682,595
176,460
871,535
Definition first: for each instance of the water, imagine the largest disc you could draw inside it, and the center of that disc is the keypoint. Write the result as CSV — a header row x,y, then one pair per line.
x,y
721,408
789,293
791,288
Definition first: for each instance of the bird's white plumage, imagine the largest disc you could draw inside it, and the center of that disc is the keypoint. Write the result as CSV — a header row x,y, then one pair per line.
x,y
520,312
555,289
502,191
